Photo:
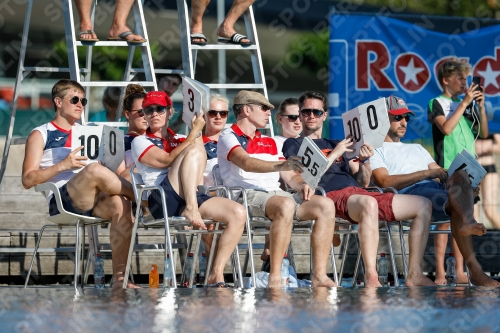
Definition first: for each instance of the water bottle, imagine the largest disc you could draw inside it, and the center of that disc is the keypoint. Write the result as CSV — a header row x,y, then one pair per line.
x,y
154,277
285,272
451,270
189,267
382,269
168,273
203,267
98,271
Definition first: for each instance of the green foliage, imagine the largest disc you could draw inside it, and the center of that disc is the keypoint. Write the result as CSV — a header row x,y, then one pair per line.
x,y
310,49
108,63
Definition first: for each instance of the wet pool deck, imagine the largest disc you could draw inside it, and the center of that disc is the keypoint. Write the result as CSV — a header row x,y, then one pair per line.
x,y
423,309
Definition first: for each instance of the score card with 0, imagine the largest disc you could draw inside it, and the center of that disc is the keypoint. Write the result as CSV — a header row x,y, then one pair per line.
x,y
314,161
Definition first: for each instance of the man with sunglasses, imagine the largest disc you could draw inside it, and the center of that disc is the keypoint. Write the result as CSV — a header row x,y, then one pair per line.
x,y
90,190
248,159
344,180
411,170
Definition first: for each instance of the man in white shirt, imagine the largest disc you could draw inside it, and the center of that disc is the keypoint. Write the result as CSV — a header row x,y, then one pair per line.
x,y
411,170
248,159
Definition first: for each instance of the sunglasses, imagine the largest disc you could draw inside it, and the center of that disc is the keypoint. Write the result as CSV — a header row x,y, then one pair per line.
x,y
75,99
315,112
262,107
399,118
222,114
159,109
291,117
140,112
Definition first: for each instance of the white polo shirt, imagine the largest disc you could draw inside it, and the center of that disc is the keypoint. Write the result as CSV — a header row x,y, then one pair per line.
x,y
260,147
143,143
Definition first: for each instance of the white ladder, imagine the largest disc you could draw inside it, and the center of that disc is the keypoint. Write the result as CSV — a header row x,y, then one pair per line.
x,y
77,73
189,54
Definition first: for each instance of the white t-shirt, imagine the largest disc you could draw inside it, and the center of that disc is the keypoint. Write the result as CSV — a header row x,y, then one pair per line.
x,y
142,144
401,158
260,147
57,145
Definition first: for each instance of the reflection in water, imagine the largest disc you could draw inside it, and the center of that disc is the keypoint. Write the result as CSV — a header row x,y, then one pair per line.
x,y
458,309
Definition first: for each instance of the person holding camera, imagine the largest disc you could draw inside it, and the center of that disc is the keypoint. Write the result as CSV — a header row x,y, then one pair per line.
x,y
454,121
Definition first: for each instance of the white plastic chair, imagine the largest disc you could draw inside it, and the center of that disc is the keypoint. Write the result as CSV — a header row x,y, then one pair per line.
x,y
65,219
170,222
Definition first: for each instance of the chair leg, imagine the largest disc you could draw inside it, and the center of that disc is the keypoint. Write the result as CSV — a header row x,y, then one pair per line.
x,y
356,267
195,260
403,248
34,254
77,257
188,250
468,274
82,269
334,265
393,259
238,266
344,255
211,255
131,250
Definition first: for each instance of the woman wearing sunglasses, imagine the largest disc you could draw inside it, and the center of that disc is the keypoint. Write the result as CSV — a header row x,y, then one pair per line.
x,y
176,163
215,120
132,110
288,121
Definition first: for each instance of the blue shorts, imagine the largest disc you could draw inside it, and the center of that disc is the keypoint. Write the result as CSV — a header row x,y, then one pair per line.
x,y
67,204
436,193
175,204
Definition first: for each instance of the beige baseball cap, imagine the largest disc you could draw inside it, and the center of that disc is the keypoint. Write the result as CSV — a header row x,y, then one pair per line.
x,y
251,97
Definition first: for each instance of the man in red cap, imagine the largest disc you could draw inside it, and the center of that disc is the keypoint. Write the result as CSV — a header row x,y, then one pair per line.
x,y
411,170
344,180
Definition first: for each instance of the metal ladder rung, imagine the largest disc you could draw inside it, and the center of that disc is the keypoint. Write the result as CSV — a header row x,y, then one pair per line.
x,y
115,83
236,85
223,47
110,43
50,69
158,71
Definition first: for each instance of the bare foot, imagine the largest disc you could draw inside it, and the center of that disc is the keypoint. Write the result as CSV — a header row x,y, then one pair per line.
x,y
324,281
418,279
194,217
116,31
440,279
118,284
462,279
228,33
483,280
472,228
371,281
214,278
274,281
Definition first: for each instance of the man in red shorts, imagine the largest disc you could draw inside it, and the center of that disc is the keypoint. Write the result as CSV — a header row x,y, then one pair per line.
x,y
344,181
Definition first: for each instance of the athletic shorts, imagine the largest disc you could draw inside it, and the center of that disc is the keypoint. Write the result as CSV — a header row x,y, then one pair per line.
x,y
175,204
67,204
340,198
257,201
436,193
490,168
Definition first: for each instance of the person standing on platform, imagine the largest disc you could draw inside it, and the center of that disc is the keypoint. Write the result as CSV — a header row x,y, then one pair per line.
x,y
118,31
225,32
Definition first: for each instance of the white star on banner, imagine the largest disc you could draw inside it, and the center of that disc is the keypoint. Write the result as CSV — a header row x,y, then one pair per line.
x,y
411,71
490,76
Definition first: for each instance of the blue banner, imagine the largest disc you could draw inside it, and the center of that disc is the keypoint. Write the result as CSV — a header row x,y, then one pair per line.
x,y
378,56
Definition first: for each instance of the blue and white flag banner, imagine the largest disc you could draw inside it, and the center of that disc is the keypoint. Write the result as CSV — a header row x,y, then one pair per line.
x,y
378,56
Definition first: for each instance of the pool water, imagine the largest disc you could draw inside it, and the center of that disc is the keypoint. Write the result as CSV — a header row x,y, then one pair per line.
x,y
423,309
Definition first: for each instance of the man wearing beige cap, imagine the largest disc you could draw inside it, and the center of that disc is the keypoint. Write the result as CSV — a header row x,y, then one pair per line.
x,y
248,159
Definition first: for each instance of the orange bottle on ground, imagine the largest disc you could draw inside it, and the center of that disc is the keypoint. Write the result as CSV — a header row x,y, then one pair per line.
x,y
154,277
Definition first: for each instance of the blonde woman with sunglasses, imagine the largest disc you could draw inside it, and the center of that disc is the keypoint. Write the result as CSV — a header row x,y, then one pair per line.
x,y
215,120
288,121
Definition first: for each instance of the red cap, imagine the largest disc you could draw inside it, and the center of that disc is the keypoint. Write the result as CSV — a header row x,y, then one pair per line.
x,y
382,254
395,106
156,97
